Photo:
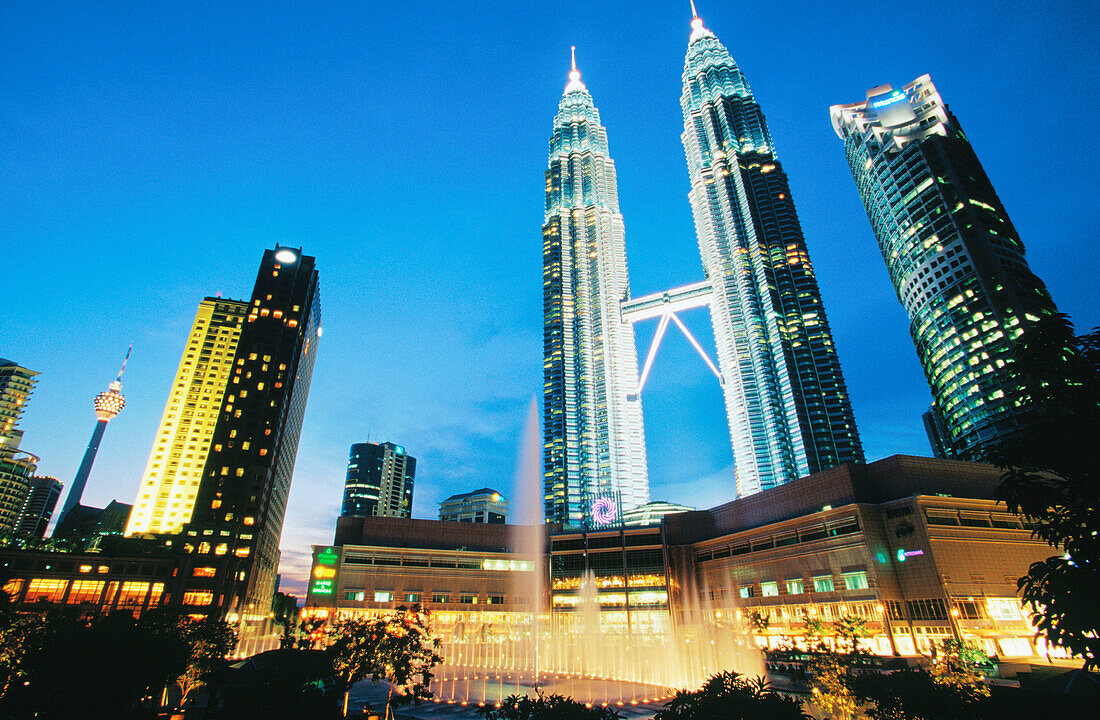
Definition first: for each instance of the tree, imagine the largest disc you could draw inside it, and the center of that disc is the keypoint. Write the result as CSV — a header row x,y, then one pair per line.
x,y
209,642
731,696
110,663
850,629
546,707
832,691
955,665
1052,478
398,648
20,635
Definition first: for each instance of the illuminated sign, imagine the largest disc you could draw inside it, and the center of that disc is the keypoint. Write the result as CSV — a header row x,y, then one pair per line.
x,y
327,556
399,450
904,554
322,587
896,96
324,572
603,511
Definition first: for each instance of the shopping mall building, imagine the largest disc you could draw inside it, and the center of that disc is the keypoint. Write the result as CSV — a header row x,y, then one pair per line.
x,y
917,547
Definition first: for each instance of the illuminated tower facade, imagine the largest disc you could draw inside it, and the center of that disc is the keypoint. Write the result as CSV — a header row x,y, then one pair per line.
x,y
954,257
16,466
237,521
108,404
172,474
594,441
379,481
786,401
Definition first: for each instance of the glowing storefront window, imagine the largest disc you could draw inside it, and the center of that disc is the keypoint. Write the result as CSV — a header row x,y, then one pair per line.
x,y
198,597
85,591
133,593
47,589
1004,609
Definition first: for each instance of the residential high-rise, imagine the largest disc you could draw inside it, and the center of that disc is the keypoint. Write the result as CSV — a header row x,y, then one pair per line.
x,y
233,535
379,481
108,404
786,401
16,386
172,474
477,506
594,441
16,466
39,505
954,257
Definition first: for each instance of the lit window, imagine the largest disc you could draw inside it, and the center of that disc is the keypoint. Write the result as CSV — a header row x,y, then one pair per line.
x,y
855,580
823,583
198,597
794,587
769,589
47,589
85,591
383,596
204,572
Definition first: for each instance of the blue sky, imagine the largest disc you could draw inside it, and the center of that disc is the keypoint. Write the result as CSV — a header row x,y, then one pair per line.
x,y
149,152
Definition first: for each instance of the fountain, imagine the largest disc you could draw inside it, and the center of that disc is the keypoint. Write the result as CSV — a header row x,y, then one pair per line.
x,y
595,655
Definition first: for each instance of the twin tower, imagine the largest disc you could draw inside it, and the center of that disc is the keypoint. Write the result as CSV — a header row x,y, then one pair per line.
x,y
786,401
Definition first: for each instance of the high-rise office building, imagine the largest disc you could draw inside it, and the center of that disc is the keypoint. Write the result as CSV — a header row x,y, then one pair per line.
x,y
174,470
16,466
234,532
484,505
108,404
594,441
39,505
953,255
379,481
786,400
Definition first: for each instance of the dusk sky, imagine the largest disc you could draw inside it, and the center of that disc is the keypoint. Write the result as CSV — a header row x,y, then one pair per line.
x,y
150,152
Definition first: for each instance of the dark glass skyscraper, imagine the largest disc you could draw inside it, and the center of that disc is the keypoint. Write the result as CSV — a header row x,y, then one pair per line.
x,y
954,257
238,516
786,400
39,506
379,481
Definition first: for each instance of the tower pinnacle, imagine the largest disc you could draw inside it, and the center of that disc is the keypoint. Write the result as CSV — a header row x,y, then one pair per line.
x,y
574,74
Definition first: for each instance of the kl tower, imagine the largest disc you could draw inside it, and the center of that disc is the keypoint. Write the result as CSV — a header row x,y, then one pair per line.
x,y
108,404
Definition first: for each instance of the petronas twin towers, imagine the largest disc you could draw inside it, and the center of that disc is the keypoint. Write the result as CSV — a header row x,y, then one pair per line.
x,y
786,401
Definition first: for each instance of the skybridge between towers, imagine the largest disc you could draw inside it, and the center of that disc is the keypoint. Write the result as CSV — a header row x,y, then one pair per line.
x,y
665,305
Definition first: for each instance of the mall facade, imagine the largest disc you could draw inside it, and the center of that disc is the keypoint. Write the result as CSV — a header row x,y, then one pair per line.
x,y
917,547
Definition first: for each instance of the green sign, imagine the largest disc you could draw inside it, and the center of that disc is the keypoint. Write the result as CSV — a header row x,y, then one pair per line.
x,y
323,587
327,556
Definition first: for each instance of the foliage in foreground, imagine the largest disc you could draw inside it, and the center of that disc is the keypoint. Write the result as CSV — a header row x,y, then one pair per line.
x,y
1052,478
729,695
59,664
546,707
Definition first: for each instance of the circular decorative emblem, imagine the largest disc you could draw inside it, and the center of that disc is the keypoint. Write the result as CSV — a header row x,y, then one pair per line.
x,y
603,511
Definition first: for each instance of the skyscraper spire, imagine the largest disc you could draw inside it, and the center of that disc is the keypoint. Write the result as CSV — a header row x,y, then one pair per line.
x,y
694,14
574,74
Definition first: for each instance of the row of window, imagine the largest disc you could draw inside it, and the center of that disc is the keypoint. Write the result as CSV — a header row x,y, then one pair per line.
x,y
847,526
385,596
797,586
127,593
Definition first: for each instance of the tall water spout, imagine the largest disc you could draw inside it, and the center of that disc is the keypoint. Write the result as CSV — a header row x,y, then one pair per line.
x,y
528,537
